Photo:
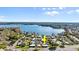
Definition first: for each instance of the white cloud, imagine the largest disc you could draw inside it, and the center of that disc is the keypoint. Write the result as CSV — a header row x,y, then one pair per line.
x,y
19,20
2,16
77,10
14,20
73,11
53,8
61,8
70,12
3,20
52,13
43,8
49,8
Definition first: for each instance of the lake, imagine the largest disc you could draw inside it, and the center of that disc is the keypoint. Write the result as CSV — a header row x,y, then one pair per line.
x,y
42,30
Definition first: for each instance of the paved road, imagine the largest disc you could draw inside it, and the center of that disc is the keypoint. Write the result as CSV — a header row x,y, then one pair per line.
x,y
68,48
40,49
17,42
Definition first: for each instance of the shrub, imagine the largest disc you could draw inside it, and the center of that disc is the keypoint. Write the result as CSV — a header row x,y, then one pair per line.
x,y
2,46
35,49
62,46
52,48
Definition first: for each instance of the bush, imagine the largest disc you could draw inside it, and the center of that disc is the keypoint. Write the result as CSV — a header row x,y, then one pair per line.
x,y
52,48
24,48
35,49
17,46
62,46
2,46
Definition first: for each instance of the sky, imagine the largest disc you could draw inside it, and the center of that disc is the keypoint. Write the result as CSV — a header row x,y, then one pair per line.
x,y
39,14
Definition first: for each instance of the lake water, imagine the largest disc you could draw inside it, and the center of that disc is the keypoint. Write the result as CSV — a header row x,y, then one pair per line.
x,y
42,30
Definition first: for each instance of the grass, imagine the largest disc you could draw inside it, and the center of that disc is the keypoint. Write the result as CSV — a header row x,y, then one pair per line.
x,y
18,47
23,48
2,46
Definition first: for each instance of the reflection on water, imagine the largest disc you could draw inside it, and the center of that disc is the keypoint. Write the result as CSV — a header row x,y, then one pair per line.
x,y
36,28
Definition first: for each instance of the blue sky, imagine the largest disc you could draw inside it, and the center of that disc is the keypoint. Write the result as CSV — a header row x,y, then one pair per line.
x,y
39,14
